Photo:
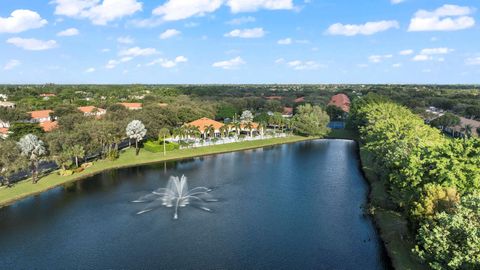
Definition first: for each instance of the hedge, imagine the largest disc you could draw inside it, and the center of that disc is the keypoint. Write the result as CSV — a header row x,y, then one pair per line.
x,y
155,147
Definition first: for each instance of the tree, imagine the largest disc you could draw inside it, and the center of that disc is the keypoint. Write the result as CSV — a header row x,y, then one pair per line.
x,y
446,120
224,131
273,106
34,150
11,161
77,152
247,116
163,133
335,112
63,159
468,130
136,131
249,126
226,111
210,131
311,121
19,130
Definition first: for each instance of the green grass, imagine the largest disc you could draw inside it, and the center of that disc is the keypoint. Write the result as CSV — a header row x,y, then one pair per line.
x,y
347,134
128,158
392,225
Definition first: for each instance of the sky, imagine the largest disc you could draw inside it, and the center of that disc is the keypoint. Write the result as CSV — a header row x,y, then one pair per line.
x,y
239,41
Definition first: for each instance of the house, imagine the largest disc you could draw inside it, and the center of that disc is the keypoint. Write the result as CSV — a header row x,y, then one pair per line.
x,y
48,126
342,101
92,111
132,106
47,96
274,98
473,124
4,97
205,122
6,104
287,112
4,124
3,133
299,100
41,116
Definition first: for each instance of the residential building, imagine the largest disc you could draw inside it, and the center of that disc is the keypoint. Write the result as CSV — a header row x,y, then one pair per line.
x,y
287,112
41,116
48,126
342,101
7,104
3,133
92,111
132,106
205,122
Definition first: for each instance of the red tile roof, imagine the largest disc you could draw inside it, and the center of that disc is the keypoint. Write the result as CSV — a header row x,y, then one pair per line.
x,y
342,101
48,95
132,105
274,98
90,109
4,131
48,126
40,114
300,99
205,122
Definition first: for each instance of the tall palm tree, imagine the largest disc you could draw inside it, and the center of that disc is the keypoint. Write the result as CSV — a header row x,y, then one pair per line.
x,y
224,131
77,152
238,126
210,131
249,126
468,130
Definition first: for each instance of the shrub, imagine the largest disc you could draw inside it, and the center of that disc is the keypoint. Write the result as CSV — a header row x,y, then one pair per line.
x,y
155,147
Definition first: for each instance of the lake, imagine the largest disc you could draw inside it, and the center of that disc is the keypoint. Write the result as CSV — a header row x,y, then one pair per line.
x,y
295,206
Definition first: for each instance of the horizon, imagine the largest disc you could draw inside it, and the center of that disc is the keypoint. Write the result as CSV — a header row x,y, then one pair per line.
x,y
221,42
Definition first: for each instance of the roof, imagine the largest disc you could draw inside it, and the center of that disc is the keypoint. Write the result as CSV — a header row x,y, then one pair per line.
x,y
465,121
300,99
40,114
274,97
342,101
7,104
47,95
287,111
48,126
4,131
204,122
90,109
132,105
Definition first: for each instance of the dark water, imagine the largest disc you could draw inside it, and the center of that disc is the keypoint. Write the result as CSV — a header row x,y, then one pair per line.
x,y
285,207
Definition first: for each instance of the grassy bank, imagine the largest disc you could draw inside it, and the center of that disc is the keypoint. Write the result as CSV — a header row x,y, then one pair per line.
x,y
128,158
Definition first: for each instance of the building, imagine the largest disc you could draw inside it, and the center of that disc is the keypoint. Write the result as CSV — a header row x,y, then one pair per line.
x,y
3,97
3,133
132,106
4,124
92,111
287,112
299,100
274,98
48,126
203,123
47,96
342,101
6,104
41,116
464,122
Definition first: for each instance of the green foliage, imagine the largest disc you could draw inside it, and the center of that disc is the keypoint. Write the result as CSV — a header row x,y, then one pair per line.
x,y
226,111
11,160
434,199
311,121
20,129
451,241
335,112
155,147
446,120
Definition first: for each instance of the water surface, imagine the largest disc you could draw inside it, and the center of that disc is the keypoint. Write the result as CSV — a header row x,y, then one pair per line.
x,y
294,206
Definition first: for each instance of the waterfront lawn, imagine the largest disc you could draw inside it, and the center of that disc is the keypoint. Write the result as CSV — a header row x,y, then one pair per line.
x,y
128,158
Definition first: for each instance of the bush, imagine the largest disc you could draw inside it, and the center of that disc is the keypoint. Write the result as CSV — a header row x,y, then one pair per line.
x,y
155,147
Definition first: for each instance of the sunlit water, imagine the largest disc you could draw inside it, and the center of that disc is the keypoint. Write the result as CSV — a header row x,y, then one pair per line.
x,y
294,206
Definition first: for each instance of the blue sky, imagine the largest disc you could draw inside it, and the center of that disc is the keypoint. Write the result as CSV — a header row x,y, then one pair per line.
x,y
239,41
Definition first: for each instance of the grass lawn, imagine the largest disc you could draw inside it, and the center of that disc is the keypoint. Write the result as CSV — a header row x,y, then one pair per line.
x,y
128,158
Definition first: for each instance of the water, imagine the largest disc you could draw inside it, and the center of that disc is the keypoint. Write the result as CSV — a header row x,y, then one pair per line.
x,y
293,206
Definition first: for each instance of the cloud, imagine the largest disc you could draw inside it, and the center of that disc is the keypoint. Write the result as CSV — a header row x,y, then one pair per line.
x,y
396,2
230,64
125,40
472,61
304,65
286,41
90,70
241,20
11,64
68,32
430,54
21,20
166,63
397,65
247,33
32,44
379,58
368,28
237,6
280,61
169,33
98,12
444,18
406,52
137,51
174,10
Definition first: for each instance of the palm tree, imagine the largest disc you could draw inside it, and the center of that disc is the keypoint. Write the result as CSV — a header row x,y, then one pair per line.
x,y
210,131
34,150
249,126
468,130
163,133
77,152
224,131
238,126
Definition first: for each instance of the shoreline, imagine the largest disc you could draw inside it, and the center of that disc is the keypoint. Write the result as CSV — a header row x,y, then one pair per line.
x,y
127,159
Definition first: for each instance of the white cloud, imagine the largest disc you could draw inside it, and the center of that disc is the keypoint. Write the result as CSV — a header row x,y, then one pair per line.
x,y
254,5
112,64
247,33
280,61
379,58
397,65
169,33
125,40
445,18
166,63
90,70
174,10
421,57
431,51
21,20
368,28
230,64
11,64
304,65
241,20
473,61
430,54
68,32
97,11
286,41
406,52
32,44
137,51
395,2
105,50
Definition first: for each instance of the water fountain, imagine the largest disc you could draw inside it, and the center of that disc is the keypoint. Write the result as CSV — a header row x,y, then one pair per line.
x,y
176,194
